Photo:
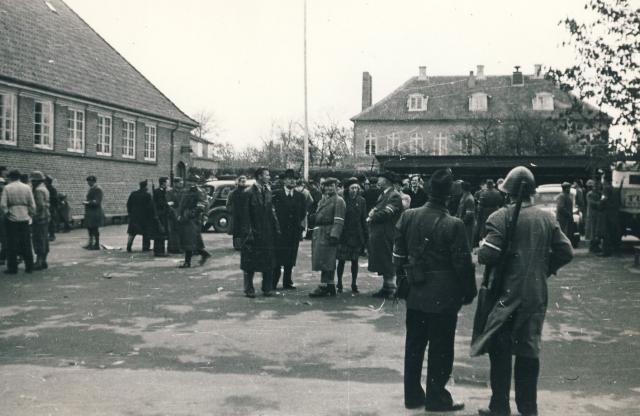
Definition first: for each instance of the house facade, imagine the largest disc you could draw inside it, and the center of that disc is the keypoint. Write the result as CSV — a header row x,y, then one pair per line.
x,y
72,106
203,154
427,114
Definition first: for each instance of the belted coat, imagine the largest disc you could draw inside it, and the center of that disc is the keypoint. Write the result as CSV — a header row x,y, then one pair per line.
x,y
382,228
326,234
93,213
259,228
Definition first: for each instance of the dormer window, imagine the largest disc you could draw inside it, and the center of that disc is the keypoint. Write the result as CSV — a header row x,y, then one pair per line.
x,y
478,102
543,101
417,102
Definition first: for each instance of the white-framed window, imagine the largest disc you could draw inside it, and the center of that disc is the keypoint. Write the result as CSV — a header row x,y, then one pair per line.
x,y
105,128
417,102
43,124
150,142
197,148
370,144
416,144
393,142
75,130
8,117
543,101
479,101
129,139
441,145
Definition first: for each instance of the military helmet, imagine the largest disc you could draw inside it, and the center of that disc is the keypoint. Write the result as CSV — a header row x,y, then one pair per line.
x,y
517,175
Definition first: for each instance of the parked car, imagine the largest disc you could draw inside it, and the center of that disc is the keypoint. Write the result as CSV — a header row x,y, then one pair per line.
x,y
546,197
218,216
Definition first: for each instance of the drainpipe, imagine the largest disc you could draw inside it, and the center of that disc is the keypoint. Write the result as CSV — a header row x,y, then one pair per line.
x,y
171,173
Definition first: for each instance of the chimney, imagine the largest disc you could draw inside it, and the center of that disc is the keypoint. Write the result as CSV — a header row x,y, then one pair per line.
x,y
537,71
367,88
480,72
422,73
472,80
517,79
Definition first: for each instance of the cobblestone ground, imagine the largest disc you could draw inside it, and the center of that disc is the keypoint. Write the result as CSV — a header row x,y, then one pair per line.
x,y
112,333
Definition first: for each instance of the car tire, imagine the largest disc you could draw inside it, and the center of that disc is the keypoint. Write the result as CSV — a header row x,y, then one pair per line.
x,y
221,222
206,227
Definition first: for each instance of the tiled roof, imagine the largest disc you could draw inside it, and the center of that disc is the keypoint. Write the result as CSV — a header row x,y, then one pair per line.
x,y
449,99
59,52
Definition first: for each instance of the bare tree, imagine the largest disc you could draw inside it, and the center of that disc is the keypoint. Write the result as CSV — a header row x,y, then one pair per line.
x,y
208,127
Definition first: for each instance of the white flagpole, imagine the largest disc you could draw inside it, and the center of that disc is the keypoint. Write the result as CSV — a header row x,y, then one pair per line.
x,y
306,116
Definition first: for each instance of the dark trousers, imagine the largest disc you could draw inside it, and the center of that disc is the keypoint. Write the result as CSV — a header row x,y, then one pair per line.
x,y
40,235
94,232
158,246
18,243
354,271
525,373
53,224
146,242
437,330
286,278
267,284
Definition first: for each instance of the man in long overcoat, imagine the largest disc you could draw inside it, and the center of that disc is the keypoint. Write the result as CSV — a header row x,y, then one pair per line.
x,y
142,216
290,206
40,220
326,236
431,247
260,226
514,327
234,207
174,196
382,221
564,209
609,224
467,210
93,213
163,211
593,215
190,210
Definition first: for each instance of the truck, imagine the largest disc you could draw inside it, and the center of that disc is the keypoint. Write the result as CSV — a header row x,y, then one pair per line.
x,y
625,179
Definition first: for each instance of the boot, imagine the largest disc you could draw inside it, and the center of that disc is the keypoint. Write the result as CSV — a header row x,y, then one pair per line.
x,y
38,264
89,244
185,265
339,285
96,244
130,243
323,291
204,256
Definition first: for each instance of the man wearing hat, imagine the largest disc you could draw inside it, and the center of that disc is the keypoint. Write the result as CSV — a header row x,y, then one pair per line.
x,y
489,201
18,206
40,220
564,209
142,216
382,219
431,247
93,213
290,206
162,210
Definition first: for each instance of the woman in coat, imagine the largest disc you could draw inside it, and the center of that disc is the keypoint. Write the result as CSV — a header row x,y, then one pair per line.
x,y
190,226
354,233
93,213
329,221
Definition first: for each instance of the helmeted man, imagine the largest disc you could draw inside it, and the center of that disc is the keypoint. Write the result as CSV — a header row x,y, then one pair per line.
x,y
234,207
564,209
163,211
382,219
93,213
40,220
290,206
142,216
467,210
326,236
260,226
431,247
514,327
18,205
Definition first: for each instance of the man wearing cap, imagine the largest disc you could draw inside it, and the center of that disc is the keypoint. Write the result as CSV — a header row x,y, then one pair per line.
x,y
40,220
174,196
431,247
259,228
290,206
514,326
382,220
93,213
18,205
564,209
162,210
326,236
141,216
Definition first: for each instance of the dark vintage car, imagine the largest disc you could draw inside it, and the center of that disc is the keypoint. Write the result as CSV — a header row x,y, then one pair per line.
x,y
217,215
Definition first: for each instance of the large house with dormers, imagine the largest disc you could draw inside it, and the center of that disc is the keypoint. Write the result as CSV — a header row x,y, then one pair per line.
x,y
423,115
72,106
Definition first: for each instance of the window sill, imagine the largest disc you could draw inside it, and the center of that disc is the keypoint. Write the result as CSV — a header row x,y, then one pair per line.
x,y
128,157
417,110
9,143
148,159
75,151
103,154
43,147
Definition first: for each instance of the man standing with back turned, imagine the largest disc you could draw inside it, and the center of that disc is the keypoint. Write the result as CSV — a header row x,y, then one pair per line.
x,y
514,327
431,247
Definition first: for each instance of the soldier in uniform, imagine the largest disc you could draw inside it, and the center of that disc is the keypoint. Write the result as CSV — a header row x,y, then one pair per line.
x,y
174,196
259,226
382,220
93,213
467,210
431,247
163,211
40,220
564,208
290,206
514,326
190,225
326,236
141,216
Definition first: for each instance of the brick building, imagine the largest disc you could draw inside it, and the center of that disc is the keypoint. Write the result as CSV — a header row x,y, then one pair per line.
x,y
72,106
203,154
424,114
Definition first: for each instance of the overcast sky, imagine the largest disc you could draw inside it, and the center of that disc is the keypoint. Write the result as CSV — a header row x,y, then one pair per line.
x,y
243,60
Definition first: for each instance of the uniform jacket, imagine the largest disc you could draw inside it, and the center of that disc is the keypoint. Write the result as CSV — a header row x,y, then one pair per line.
x,y
564,206
539,249
42,213
141,213
440,270
467,209
291,212
355,232
327,232
259,226
93,213
382,227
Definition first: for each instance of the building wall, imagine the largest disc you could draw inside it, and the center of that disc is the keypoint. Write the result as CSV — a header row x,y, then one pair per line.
x,y
117,176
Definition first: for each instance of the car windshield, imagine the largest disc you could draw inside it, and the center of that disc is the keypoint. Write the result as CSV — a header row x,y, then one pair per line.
x,y
546,198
